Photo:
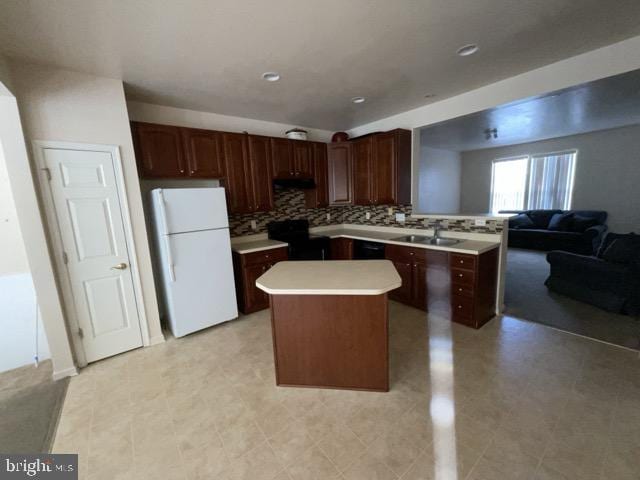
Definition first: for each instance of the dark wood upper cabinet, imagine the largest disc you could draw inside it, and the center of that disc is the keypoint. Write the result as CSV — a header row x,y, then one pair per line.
x,y
159,150
204,153
363,184
237,184
339,166
260,173
282,158
382,169
319,196
302,159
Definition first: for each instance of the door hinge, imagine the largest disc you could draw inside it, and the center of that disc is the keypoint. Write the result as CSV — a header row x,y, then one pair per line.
x,y
80,333
65,258
48,172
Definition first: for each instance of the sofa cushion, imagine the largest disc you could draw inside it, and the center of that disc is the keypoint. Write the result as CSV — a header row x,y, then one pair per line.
x,y
521,220
625,250
541,218
580,223
561,222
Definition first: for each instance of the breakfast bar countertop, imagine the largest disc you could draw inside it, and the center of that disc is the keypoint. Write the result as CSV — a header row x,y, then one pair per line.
x,y
331,277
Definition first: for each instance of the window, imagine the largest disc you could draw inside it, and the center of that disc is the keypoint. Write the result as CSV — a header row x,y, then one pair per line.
x,y
531,182
509,181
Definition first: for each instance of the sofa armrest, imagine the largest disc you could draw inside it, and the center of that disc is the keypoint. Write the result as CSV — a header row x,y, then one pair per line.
x,y
595,234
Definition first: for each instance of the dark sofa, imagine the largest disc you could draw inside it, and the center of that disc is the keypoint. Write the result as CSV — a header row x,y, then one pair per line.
x,y
577,231
609,278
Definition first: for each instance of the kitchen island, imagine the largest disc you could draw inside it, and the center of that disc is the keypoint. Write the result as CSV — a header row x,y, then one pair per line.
x,y
329,322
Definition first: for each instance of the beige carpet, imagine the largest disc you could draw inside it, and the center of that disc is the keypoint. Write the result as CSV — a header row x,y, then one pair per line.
x,y
30,405
527,297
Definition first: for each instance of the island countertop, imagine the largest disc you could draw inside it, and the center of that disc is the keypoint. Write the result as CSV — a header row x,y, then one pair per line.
x,y
330,277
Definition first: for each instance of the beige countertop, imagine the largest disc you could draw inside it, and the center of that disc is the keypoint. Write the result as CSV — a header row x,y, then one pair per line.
x,y
255,245
469,246
331,277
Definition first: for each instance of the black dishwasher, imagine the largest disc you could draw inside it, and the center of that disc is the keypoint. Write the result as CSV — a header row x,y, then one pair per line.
x,y
365,250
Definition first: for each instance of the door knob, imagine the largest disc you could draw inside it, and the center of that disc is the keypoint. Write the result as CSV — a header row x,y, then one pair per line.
x,y
120,266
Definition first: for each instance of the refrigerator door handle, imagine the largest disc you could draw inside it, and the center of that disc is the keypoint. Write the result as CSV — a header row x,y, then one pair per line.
x,y
163,213
172,272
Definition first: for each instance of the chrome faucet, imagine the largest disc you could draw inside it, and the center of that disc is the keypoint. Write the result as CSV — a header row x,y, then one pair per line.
x,y
436,229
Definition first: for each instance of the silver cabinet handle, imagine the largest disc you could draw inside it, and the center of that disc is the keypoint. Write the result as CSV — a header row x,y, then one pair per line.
x,y
120,266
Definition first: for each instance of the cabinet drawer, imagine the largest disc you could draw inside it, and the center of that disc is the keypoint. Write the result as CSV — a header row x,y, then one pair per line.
x,y
462,277
461,306
405,254
265,256
463,261
462,290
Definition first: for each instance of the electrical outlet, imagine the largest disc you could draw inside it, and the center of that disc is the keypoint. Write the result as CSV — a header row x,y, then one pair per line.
x,y
253,225
367,215
400,217
390,211
328,217
480,222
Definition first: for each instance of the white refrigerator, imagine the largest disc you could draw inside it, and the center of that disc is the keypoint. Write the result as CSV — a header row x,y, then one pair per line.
x,y
194,250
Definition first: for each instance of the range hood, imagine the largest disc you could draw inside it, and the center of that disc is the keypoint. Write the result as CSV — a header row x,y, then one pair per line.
x,y
303,183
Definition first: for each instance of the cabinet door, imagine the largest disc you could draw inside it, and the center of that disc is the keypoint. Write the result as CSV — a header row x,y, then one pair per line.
x,y
255,299
203,149
341,249
239,193
260,173
404,293
339,162
420,285
362,171
384,171
302,159
319,196
159,150
282,158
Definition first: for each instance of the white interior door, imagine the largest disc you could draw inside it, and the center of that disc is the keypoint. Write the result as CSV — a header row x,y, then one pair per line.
x,y
90,219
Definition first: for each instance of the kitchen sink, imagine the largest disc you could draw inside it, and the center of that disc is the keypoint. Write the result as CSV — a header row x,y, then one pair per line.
x,y
427,240
412,239
443,241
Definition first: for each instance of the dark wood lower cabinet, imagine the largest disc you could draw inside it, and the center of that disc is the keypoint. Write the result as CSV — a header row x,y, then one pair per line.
x,y
459,285
247,269
341,248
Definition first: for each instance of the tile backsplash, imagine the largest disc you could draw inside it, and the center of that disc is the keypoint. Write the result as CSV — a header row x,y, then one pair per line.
x,y
289,204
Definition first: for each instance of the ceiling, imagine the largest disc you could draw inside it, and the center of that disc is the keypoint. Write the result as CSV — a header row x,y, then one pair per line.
x,y
209,55
607,103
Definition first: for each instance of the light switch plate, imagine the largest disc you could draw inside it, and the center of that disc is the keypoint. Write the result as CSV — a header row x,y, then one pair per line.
x,y
390,211
400,217
367,215
480,222
253,225
328,217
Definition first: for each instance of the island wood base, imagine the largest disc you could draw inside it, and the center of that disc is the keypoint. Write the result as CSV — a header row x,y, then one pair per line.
x,y
331,341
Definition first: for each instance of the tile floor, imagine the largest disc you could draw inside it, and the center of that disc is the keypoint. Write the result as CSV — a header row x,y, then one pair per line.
x,y
522,401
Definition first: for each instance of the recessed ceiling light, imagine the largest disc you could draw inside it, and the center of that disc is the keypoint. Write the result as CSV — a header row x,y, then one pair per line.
x,y
467,50
358,99
271,76
430,95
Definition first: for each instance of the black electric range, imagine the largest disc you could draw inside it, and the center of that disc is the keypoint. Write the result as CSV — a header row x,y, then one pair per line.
x,y
302,245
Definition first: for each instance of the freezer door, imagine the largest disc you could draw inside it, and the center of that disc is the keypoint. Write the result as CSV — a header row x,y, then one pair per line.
x,y
190,209
198,278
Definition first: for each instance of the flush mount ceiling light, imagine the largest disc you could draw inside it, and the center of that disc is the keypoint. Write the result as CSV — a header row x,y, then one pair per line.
x,y
467,50
271,76
358,99
430,95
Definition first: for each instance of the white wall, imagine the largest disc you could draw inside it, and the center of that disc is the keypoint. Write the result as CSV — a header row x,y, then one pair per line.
x,y
61,105
606,178
146,112
438,181
604,62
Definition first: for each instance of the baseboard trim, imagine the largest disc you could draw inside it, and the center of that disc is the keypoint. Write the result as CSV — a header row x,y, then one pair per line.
x,y
67,372
158,339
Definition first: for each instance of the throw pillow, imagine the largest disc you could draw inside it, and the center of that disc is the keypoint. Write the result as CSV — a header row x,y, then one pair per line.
x,y
580,223
521,220
623,250
541,218
560,222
